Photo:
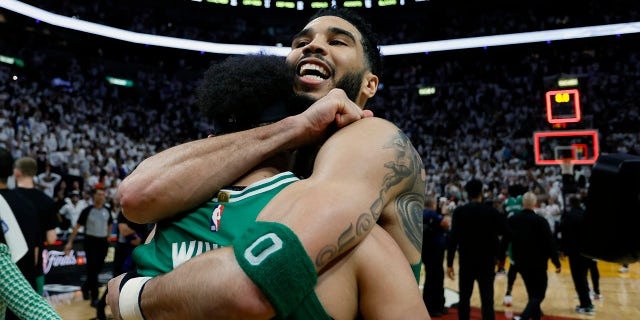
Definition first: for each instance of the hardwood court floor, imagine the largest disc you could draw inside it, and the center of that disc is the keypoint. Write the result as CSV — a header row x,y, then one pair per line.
x,y
621,296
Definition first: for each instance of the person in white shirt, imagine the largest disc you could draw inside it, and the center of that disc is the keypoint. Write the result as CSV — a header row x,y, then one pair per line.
x,y
48,181
71,210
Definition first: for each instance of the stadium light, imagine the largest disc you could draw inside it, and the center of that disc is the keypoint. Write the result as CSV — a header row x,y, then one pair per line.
x,y
387,50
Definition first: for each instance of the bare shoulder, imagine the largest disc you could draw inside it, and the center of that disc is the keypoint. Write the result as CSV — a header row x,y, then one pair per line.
x,y
371,144
366,125
368,135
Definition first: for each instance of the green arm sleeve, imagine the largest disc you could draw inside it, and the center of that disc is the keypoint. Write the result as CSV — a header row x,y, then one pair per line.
x,y
18,295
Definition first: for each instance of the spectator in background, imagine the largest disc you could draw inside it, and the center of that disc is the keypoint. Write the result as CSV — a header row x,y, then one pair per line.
x,y
551,210
97,222
70,211
594,272
532,245
60,194
512,206
27,219
48,180
75,186
24,172
435,228
475,233
570,246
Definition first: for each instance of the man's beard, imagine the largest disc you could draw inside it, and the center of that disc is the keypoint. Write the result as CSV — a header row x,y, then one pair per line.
x,y
351,83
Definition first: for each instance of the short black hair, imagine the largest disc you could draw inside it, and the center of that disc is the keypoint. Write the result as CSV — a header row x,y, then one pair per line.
x,y
473,188
6,165
370,41
515,190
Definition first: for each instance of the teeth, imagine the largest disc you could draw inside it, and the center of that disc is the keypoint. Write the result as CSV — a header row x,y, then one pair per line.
x,y
313,77
315,67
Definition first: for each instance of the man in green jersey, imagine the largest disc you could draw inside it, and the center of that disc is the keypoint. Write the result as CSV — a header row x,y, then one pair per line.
x,y
512,205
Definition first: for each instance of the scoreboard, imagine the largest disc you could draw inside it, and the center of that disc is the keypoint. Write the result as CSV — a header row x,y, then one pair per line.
x,y
310,4
563,106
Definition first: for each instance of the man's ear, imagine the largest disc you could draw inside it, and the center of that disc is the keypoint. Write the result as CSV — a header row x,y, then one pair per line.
x,y
370,84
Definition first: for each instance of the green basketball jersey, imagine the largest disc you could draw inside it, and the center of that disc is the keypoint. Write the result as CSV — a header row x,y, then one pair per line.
x,y
213,225
513,205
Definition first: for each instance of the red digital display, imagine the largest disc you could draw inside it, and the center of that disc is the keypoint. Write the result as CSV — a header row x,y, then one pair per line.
x,y
551,147
563,106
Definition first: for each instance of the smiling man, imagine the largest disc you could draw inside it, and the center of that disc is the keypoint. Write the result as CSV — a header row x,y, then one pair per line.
x,y
318,75
364,173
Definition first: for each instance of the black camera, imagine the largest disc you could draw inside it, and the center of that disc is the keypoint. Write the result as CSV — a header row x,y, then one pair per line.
x,y
612,217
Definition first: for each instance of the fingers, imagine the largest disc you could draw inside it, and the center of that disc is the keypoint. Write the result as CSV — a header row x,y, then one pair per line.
x,y
113,294
347,118
347,111
334,108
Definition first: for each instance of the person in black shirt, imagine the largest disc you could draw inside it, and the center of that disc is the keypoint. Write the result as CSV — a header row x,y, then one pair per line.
x,y
24,171
532,246
570,246
27,218
435,229
475,233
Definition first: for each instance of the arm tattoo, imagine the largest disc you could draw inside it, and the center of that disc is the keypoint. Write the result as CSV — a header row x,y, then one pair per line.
x,y
364,224
410,206
406,170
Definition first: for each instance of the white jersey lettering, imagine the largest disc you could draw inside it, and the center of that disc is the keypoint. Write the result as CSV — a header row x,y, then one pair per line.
x,y
183,251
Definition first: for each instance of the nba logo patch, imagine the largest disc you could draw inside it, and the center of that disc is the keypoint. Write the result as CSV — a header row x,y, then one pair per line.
x,y
216,215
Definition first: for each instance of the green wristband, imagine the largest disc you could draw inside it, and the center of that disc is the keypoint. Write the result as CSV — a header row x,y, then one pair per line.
x,y
275,260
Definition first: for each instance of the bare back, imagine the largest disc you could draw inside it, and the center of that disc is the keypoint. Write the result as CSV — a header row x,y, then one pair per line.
x,y
371,281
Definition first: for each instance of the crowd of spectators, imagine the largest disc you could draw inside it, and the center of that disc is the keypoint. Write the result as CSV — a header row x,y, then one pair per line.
x,y
479,123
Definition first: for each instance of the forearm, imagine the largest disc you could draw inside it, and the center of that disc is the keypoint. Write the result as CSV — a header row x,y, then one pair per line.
x,y
17,294
451,253
73,235
210,286
51,236
186,175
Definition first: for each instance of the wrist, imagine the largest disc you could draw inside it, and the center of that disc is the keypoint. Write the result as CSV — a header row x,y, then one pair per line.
x,y
297,132
130,296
